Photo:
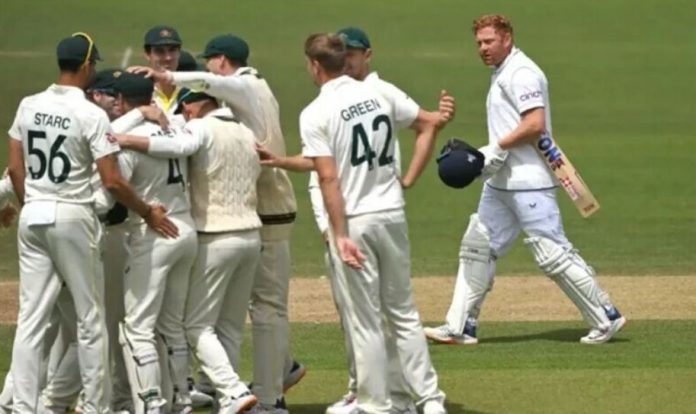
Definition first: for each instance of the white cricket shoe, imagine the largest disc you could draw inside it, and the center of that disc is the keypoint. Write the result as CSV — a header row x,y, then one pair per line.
x,y
200,399
237,405
600,336
346,405
443,334
278,408
297,372
434,407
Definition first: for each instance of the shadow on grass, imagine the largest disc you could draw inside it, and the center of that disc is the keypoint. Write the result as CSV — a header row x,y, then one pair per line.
x,y
456,408
452,408
557,335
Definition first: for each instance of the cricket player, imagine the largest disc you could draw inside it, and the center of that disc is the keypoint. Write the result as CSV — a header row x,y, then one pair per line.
x,y
162,49
156,283
64,383
425,124
223,174
519,194
55,139
246,92
347,131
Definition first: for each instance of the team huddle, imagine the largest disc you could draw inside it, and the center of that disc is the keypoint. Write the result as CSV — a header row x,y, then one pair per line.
x,y
156,214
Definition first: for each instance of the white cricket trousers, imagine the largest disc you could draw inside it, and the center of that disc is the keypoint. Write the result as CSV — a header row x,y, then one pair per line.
x,y
217,304
399,392
50,255
269,319
64,385
59,352
383,289
156,287
115,255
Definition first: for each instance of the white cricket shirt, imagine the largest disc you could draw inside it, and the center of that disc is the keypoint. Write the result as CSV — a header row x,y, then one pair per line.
x,y
157,180
409,112
63,134
517,86
353,123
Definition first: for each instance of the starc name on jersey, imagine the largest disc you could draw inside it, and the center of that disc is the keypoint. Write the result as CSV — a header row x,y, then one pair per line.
x,y
55,121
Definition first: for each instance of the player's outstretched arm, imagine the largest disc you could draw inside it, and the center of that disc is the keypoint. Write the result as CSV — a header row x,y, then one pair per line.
x,y
426,134
228,88
426,126
154,215
132,118
296,163
180,144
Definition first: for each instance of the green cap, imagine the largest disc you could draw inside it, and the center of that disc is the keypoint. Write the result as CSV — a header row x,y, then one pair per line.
x,y
105,80
354,38
132,85
79,47
189,96
162,35
231,46
188,63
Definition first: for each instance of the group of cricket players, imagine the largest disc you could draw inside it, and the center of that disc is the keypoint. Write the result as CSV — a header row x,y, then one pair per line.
x,y
156,214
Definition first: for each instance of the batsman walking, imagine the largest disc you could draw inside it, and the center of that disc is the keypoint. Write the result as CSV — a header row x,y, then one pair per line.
x,y
519,195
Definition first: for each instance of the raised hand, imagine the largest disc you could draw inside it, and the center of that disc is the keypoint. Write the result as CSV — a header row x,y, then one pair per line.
x,y
446,108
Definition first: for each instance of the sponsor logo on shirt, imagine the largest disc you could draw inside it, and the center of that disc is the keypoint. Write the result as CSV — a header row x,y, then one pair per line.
x,y
530,95
111,138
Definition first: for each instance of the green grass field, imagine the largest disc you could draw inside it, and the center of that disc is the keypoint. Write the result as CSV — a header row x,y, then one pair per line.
x,y
619,75
529,367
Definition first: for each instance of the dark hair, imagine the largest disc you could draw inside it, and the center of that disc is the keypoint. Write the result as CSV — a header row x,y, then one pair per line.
x,y
328,49
137,100
69,65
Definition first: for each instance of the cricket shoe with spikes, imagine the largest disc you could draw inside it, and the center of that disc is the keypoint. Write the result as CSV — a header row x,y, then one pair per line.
x,y
444,335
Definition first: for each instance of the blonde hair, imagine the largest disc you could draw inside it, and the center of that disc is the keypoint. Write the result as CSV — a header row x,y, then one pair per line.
x,y
328,49
497,21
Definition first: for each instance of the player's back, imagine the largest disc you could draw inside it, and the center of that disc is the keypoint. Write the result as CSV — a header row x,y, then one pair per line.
x,y
359,123
62,133
158,180
223,176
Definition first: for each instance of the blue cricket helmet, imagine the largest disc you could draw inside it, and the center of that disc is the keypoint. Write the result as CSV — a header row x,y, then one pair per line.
x,y
459,163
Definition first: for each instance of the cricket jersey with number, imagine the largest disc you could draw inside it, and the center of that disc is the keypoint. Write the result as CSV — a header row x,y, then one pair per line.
x,y
353,123
517,86
62,134
409,111
157,180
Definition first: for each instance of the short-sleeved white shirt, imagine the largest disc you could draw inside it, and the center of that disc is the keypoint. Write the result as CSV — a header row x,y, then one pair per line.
x,y
517,86
157,180
62,134
353,123
401,101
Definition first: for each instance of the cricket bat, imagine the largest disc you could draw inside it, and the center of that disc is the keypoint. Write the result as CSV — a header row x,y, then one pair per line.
x,y
569,177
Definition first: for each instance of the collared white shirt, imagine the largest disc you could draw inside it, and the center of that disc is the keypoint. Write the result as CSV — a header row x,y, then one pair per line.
x,y
409,112
353,123
157,180
63,134
517,86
